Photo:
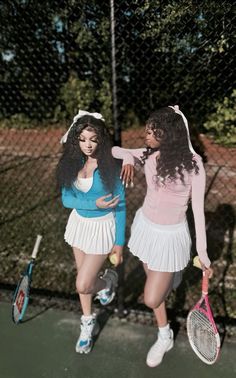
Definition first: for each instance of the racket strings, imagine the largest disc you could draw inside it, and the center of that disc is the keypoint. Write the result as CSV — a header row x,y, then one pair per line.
x,y
202,336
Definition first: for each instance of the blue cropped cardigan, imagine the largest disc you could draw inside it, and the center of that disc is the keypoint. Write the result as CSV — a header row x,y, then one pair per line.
x,y
85,204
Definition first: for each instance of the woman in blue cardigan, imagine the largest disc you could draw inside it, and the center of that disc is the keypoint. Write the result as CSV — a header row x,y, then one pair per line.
x,y
88,176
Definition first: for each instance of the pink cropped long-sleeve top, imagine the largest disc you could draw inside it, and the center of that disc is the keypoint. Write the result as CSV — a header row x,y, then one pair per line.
x,y
167,203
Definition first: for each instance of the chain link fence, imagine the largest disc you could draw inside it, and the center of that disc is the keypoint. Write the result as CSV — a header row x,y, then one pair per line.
x,y
123,59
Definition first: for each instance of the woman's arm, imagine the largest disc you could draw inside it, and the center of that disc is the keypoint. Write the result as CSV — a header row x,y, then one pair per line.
x,y
78,200
120,215
128,156
198,193
73,199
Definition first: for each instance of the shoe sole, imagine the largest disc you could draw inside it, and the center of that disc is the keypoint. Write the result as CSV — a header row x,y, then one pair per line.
x,y
115,275
156,364
83,351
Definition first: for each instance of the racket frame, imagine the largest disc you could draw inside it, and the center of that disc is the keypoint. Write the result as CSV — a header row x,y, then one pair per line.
x,y
209,315
28,274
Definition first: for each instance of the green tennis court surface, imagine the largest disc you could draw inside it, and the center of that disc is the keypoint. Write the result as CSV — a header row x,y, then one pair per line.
x,y
43,347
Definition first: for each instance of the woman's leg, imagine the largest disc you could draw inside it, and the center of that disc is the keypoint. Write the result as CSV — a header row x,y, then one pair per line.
x,y
87,280
88,267
161,315
85,299
157,287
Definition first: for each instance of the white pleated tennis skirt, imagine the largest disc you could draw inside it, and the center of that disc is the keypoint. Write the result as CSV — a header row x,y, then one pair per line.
x,y
91,235
164,248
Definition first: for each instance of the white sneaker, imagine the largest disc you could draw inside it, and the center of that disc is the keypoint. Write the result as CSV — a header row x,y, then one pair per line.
x,y
105,296
157,351
89,328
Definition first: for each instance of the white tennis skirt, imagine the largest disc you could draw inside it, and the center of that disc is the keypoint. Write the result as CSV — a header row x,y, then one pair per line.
x,y
91,235
164,248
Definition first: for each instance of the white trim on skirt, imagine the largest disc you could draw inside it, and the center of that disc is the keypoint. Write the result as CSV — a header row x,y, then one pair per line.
x,y
91,235
164,248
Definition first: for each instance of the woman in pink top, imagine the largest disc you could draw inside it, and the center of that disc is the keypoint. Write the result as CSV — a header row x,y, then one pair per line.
x,y
159,234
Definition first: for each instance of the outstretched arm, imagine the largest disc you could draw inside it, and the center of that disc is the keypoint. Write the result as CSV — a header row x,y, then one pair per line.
x,y
128,156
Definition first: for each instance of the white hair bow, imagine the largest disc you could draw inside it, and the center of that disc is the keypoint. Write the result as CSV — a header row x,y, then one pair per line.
x,y
81,114
176,109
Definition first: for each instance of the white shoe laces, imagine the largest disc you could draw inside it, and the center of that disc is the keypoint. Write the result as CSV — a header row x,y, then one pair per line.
x,y
86,329
161,344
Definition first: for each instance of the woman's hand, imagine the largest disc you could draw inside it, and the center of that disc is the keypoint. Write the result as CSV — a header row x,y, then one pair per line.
x,y
199,264
101,202
117,255
127,175
208,271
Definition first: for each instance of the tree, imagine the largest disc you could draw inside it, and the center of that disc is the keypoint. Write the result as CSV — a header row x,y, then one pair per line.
x,y
174,52
56,57
221,123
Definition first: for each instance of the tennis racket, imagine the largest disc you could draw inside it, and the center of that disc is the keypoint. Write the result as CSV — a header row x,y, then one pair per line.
x,y
21,295
201,328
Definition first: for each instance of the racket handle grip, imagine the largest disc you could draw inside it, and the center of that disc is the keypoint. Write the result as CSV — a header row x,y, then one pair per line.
x,y
36,246
204,283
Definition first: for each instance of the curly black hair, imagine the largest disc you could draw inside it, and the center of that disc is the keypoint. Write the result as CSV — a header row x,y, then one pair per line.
x,y
73,159
175,156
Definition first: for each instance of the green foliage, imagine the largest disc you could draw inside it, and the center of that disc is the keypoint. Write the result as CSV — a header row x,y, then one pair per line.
x,y
80,94
174,52
55,57
76,94
221,123
131,120
19,121
104,96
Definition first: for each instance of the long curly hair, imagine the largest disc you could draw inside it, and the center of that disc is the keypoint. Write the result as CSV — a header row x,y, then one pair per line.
x,y
73,159
175,156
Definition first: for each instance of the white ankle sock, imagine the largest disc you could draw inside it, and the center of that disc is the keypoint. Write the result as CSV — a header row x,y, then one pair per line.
x,y
165,331
87,317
